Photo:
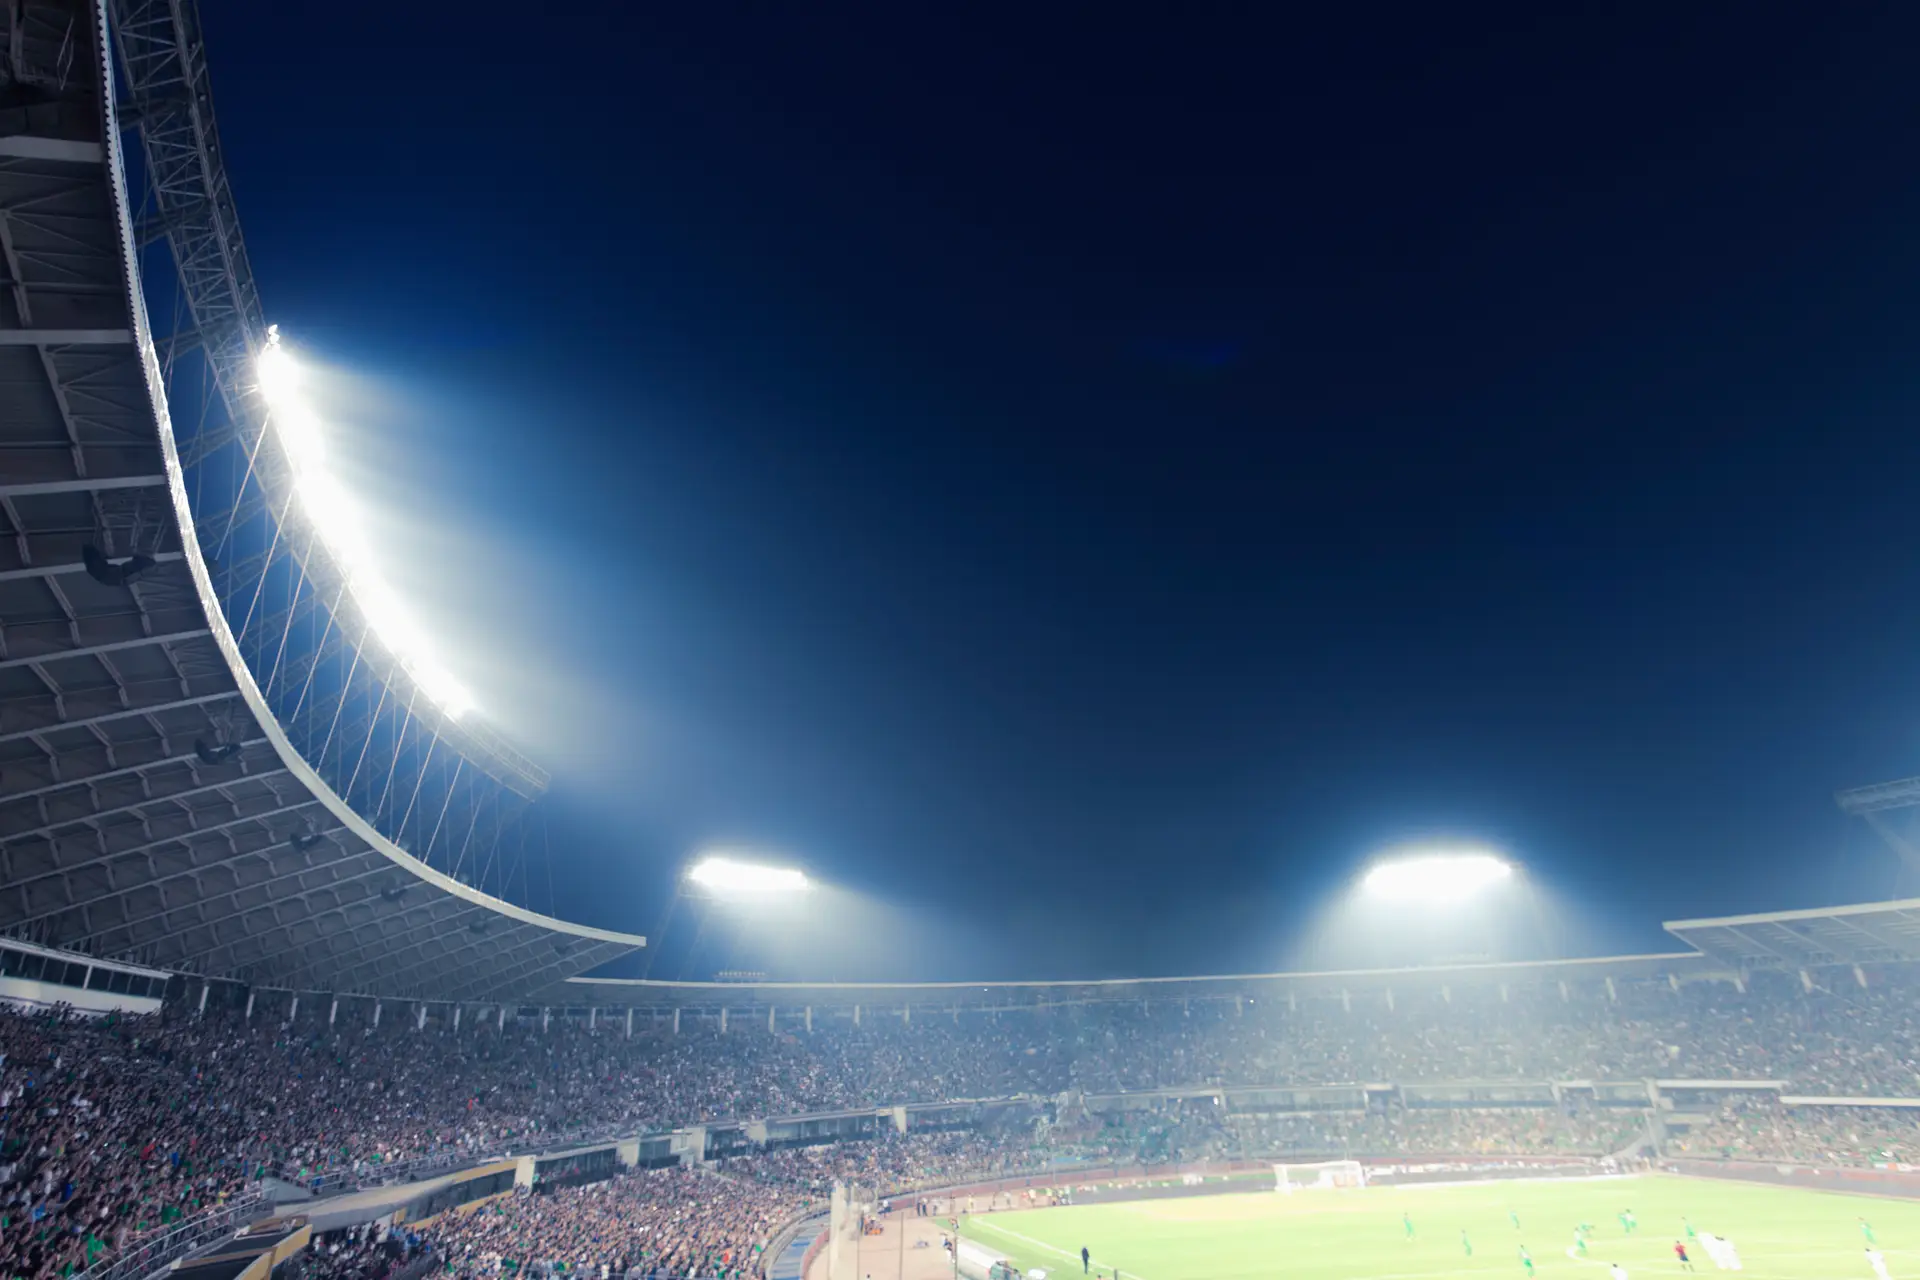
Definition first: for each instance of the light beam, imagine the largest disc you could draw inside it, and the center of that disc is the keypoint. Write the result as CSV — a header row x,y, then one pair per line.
x,y
336,518
720,874
1438,875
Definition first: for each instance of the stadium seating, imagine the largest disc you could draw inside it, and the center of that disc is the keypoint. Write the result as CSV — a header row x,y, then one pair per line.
x,y
113,1128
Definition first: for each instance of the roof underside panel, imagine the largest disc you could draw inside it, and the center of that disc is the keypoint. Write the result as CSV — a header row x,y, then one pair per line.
x,y
1869,933
146,811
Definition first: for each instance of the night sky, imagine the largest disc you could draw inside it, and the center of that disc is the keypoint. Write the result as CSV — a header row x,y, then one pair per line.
x,y
1083,482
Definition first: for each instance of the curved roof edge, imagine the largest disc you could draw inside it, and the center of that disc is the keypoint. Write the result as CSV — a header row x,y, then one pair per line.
x,y
222,633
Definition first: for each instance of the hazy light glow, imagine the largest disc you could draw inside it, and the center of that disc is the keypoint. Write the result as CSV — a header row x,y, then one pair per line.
x,y
732,876
336,517
1436,875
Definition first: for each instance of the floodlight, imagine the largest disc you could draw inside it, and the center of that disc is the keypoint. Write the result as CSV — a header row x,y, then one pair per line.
x,y
336,518
725,875
1437,875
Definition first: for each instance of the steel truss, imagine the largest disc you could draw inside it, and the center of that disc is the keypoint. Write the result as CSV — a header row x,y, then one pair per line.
x,y
207,762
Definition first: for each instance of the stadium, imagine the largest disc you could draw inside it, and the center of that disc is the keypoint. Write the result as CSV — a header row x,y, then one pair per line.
x,y
273,1009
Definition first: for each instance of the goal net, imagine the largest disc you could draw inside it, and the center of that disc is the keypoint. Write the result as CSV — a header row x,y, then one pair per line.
x,y
1288,1178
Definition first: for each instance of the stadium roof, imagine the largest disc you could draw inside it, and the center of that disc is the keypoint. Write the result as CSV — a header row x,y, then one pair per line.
x,y
1866,933
643,993
153,807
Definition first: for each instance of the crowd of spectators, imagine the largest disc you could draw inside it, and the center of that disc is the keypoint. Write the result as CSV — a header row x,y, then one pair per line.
x,y
668,1222
1761,1129
1438,1131
111,1128
893,1162
365,1251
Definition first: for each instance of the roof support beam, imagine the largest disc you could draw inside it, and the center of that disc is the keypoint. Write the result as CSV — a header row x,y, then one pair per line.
x,y
185,839
140,802
58,150
73,566
439,925
123,713
1796,961
107,775
1905,950
361,865
251,964
485,948
94,650
65,337
82,484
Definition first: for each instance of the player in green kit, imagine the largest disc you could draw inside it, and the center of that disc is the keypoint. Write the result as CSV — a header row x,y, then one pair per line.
x,y
1688,1224
1514,1218
1407,1222
1466,1245
1526,1260
1866,1229
1580,1239
1628,1222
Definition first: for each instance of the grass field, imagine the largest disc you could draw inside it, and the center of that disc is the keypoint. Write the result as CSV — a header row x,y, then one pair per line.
x,y
1781,1233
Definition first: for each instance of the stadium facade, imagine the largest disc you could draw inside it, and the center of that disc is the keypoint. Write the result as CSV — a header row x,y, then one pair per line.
x,y
211,762
215,769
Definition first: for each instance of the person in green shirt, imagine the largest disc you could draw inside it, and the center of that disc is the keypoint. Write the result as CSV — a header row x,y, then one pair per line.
x,y
1466,1245
1514,1218
1526,1260
1866,1229
1407,1222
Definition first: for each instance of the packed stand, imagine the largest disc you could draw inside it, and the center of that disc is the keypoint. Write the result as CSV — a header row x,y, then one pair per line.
x,y
672,1222
892,1162
366,1251
113,1128
1761,1129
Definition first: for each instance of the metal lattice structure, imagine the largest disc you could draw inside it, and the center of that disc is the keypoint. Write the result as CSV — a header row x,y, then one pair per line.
x,y
1867,933
1891,809
207,761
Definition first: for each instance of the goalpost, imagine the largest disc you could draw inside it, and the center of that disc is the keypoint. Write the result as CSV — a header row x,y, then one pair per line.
x,y
1288,1178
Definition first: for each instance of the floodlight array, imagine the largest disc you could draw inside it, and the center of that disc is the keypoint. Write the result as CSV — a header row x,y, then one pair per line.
x,y
336,518
730,876
1440,876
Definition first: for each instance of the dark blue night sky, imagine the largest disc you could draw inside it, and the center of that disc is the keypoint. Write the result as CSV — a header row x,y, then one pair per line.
x,y
1084,482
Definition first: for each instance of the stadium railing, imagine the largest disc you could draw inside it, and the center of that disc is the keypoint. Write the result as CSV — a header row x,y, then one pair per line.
x,y
783,1236
162,1249
344,1178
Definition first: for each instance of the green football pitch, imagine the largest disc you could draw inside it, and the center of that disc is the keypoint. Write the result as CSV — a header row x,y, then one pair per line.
x,y
1780,1233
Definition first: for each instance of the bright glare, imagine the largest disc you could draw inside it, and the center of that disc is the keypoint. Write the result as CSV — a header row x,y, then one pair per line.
x,y
1439,876
726,875
336,517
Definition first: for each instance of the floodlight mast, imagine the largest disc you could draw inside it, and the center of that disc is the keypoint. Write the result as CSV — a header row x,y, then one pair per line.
x,y
1436,875
726,876
335,516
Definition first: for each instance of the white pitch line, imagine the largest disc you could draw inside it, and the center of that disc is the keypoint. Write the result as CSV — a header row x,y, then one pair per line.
x,y
1042,1244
